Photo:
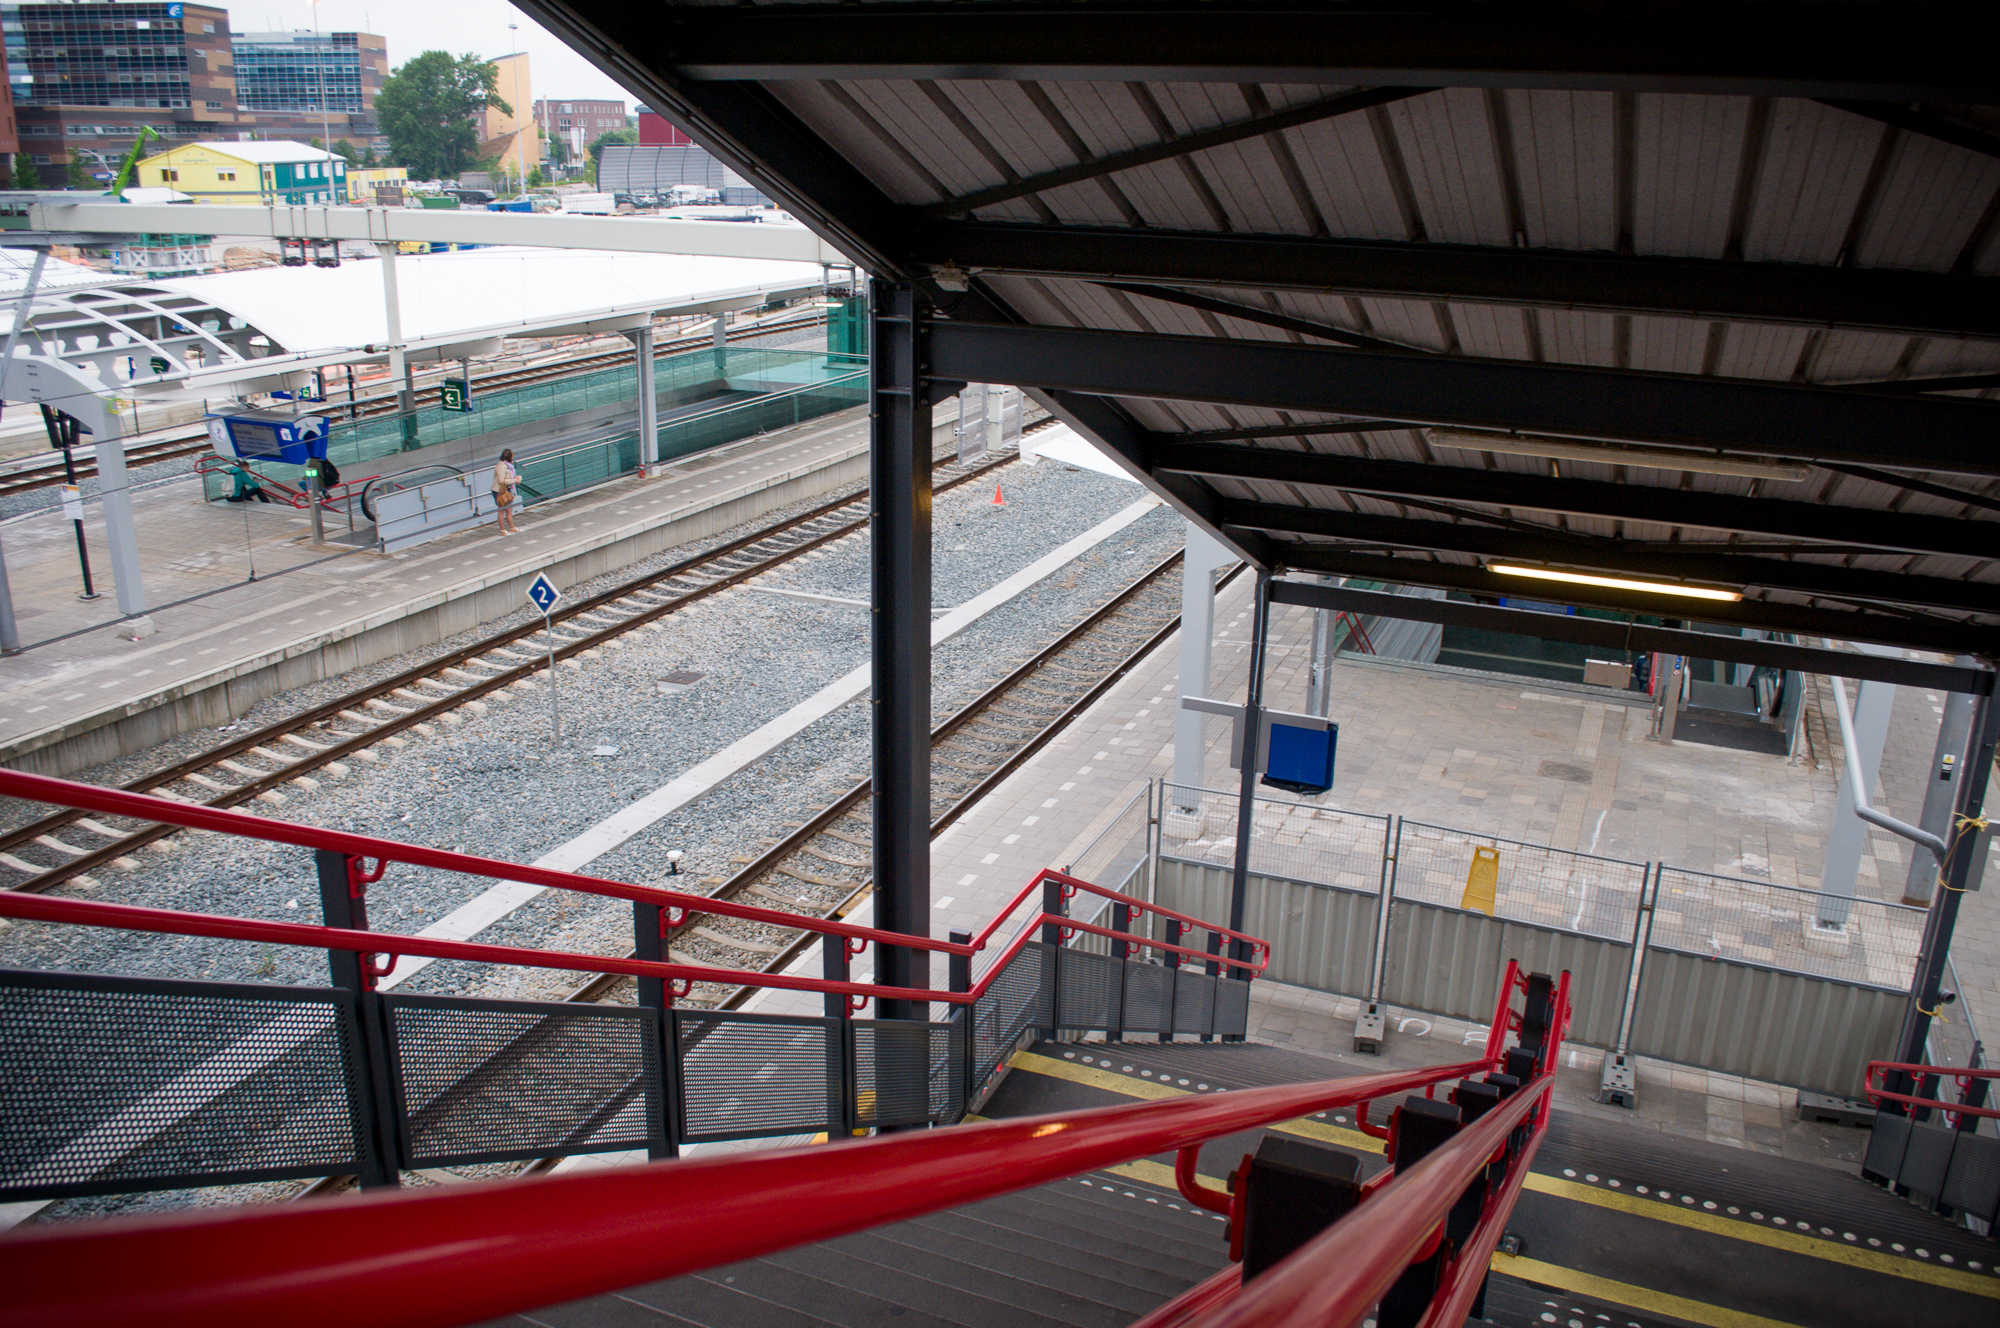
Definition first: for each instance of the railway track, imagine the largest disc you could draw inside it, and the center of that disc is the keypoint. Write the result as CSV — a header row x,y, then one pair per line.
x,y
47,474
263,764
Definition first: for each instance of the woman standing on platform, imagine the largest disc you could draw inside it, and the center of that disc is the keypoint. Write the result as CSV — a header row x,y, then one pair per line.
x,y
505,481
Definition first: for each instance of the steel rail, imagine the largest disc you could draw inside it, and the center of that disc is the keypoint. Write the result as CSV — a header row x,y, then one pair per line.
x,y
42,475
794,843
395,724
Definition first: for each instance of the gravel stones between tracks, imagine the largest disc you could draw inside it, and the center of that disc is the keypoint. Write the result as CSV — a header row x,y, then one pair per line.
x,y
495,785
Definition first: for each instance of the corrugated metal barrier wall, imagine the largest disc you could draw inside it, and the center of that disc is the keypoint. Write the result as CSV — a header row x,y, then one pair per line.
x,y
1718,972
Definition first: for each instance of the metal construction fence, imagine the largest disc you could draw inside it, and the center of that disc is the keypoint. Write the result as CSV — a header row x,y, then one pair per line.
x,y
117,1084
1664,962
792,385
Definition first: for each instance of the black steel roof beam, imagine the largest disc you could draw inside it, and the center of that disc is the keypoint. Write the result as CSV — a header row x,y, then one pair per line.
x,y
1635,636
1283,322
1855,53
1167,150
1915,485
1919,303
744,126
1914,631
1732,414
1711,565
1314,428
1656,505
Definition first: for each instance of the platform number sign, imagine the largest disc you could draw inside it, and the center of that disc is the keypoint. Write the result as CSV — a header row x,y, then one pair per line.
x,y
543,594
456,394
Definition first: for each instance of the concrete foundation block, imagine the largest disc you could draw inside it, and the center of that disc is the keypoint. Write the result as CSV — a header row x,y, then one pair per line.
x,y
1619,1086
1370,1030
1827,940
1834,1110
138,629
1182,824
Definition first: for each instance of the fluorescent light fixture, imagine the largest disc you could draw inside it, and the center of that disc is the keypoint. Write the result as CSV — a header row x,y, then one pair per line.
x,y
1619,454
1615,582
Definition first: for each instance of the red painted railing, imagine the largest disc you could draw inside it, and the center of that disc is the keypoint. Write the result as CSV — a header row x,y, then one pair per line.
x,y
140,806
1965,1078
479,1250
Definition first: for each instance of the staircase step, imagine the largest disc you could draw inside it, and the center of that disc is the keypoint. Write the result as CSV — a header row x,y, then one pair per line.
x,y
1112,1265
704,1300
801,1292
1057,1293
888,1287
1153,1247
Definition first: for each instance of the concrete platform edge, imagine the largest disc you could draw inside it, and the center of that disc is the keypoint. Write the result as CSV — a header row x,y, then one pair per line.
x,y
83,741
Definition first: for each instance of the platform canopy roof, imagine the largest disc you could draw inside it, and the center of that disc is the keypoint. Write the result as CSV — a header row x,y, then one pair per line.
x,y
1410,291
91,335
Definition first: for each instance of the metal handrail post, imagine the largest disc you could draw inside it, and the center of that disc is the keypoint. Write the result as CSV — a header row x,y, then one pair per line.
x,y
1392,853
649,941
958,978
343,903
1173,966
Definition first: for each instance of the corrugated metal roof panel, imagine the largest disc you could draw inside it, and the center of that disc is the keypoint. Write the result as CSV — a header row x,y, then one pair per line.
x,y
1446,143
1563,153
1685,157
1933,195
1816,162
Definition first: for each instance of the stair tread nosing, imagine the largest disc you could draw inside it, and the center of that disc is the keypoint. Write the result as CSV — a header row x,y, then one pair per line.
x,y
1092,1208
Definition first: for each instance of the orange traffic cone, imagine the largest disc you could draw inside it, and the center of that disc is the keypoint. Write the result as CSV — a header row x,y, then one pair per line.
x,y
998,499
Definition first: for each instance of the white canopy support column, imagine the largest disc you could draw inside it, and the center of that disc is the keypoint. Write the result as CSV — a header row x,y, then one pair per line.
x,y
1204,557
1848,836
649,401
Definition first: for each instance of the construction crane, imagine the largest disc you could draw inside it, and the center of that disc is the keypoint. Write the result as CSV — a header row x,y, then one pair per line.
x,y
124,176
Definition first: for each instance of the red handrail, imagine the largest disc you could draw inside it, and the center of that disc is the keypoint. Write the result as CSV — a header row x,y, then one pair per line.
x,y
480,1250
1074,883
1963,1075
147,807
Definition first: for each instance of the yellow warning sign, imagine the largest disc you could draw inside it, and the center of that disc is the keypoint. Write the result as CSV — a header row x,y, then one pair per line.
x,y
1482,880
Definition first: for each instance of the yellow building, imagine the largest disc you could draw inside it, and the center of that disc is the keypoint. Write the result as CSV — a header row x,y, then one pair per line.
x,y
363,182
514,139
249,173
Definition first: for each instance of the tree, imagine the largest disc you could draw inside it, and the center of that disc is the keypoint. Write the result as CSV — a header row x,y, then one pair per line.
x,y
25,174
368,157
346,149
609,138
431,111
79,177
535,180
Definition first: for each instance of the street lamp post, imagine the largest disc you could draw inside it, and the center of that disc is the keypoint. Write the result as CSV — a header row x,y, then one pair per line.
x,y
514,50
325,123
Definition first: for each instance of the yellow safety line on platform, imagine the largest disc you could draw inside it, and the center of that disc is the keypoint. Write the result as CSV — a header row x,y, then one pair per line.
x,y
1978,1284
1644,1299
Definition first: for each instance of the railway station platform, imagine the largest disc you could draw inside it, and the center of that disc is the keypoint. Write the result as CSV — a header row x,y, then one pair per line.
x,y
1544,763
317,610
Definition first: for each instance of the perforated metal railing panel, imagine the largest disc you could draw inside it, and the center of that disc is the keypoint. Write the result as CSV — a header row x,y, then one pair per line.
x,y
1232,1006
897,1077
111,1084
489,1081
1149,998
1087,989
750,1075
1017,1001
1194,1001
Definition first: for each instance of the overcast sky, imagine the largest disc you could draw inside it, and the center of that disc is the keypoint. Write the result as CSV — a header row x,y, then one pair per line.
x,y
459,26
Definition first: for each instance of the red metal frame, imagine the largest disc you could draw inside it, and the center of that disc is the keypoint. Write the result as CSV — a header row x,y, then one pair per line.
x,y
296,497
1962,1076
145,807
481,1250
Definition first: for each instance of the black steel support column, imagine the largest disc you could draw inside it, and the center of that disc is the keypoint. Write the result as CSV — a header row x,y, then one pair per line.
x,y
1246,805
1967,858
649,942
342,906
899,476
